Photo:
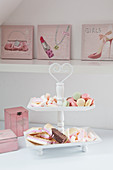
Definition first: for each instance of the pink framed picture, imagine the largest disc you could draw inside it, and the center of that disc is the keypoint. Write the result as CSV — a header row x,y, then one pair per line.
x,y
54,42
17,42
97,42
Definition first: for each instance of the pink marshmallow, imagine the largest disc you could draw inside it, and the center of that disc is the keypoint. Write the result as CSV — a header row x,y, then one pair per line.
x,y
72,101
85,96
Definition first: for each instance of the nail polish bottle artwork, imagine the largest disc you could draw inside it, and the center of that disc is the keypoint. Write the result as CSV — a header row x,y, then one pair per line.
x,y
46,47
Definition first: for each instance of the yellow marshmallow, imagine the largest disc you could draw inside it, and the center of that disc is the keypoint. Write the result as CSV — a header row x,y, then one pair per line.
x,y
80,102
88,103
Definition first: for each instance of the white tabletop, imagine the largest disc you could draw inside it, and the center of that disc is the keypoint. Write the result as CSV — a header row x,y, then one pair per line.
x,y
98,157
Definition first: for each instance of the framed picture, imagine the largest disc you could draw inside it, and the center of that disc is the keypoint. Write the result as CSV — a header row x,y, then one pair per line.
x,y
54,42
16,42
97,42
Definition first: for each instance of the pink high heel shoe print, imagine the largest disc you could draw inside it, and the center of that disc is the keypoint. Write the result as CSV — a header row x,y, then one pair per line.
x,y
104,39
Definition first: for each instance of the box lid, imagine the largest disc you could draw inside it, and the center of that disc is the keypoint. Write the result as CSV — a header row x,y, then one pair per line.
x,y
15,110
7,135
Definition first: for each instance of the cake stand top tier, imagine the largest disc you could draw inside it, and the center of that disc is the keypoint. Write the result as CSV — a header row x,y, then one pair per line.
x,y
54,70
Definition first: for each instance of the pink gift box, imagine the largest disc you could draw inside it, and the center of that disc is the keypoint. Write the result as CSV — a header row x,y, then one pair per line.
x,y
16,119
8,141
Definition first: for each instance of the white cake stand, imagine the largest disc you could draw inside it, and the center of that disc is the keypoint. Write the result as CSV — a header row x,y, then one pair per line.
x,y
66,69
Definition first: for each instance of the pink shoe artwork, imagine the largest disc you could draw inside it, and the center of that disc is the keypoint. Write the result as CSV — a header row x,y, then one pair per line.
x,y
104,39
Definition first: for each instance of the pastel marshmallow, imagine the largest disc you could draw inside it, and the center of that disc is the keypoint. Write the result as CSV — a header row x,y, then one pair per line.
x,y
92,101
43,97
73,139
47,96
80,102
72,102
85,96
88,102
91,136
66,103
38,140
48,128
76,95
33,130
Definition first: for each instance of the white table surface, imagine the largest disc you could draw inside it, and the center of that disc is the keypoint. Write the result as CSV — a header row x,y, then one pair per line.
x,y
98,157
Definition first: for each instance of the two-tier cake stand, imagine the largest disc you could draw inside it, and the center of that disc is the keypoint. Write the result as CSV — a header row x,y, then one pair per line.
x,y
66,69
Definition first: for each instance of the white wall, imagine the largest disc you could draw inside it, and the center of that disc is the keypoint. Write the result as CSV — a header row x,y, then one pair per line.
x,y
6,8
17,88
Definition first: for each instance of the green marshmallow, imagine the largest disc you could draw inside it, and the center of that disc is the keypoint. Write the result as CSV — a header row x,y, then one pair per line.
x,y
76,96
66,103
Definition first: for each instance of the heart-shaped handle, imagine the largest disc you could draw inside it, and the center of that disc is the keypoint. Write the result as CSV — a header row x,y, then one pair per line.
x,y
66,68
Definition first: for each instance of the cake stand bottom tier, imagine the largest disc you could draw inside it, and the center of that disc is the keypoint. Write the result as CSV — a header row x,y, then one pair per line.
x,y
83,145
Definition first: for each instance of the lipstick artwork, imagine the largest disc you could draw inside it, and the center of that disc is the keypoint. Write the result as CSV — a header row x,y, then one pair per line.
x,y
46,47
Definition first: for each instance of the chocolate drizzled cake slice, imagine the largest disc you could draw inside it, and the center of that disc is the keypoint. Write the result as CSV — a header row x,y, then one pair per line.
x,y
58,136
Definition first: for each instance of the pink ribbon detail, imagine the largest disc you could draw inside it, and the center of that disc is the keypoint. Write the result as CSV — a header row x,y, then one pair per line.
x,y
65,33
